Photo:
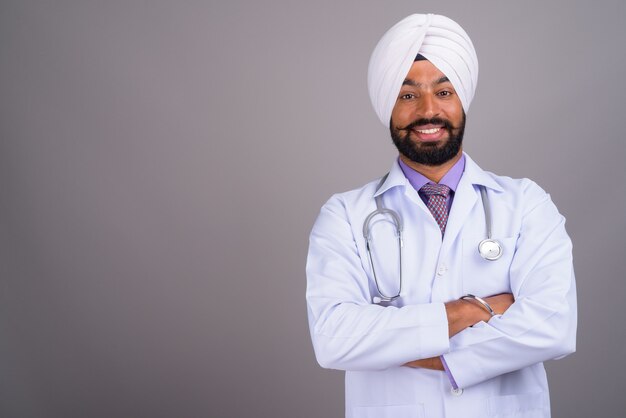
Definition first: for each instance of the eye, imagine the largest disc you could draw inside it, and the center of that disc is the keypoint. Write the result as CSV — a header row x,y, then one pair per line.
x,y
407,96
445,93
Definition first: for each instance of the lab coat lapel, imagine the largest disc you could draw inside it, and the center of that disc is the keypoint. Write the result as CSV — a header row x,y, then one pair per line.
x,y
465,198
395,178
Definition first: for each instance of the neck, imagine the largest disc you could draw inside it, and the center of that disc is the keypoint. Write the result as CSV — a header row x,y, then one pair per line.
x,y
433,173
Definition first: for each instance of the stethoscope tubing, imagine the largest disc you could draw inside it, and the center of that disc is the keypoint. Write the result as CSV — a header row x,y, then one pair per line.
x,y
489,249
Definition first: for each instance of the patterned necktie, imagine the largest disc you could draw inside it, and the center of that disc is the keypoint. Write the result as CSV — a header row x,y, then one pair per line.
x,y
437,194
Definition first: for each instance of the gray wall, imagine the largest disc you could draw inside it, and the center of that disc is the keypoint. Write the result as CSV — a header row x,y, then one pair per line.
x,y
162,162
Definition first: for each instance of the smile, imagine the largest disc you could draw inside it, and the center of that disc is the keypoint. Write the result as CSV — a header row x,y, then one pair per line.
x,y
428,131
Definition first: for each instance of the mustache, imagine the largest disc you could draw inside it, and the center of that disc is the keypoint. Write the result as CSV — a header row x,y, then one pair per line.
x,y
432,121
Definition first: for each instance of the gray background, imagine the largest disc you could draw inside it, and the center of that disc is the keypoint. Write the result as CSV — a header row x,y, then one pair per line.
x,y
162,163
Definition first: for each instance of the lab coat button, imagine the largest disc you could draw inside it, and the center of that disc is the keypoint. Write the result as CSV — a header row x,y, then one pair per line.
x,y
456,392
442,270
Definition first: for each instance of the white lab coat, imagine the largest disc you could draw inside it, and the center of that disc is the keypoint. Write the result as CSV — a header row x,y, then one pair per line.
x,y
498,365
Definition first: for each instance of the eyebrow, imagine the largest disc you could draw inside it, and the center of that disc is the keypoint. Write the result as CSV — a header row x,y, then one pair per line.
x,y
409,82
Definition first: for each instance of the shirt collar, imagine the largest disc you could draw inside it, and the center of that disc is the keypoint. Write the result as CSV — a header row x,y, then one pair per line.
x,y
450,179
475,175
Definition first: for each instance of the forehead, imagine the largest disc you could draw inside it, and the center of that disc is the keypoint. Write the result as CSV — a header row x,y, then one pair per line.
x,y
423,72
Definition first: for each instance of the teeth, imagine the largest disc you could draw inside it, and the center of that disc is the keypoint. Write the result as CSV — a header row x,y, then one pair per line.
x,y
429,131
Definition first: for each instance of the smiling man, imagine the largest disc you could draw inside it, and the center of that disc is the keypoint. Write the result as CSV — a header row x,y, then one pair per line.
x,y
433,140
440,288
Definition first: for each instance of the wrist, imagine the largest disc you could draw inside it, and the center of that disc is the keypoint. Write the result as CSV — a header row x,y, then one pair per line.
x,y
480,301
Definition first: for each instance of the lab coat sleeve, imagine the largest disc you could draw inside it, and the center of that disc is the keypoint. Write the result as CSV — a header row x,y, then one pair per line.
x,y
347,330
541,323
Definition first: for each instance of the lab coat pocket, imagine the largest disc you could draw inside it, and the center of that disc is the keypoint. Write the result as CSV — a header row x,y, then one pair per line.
x,y
526,405
388,411
487,277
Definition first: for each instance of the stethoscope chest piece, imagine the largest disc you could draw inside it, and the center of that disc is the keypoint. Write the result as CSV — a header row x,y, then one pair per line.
x,y
490,249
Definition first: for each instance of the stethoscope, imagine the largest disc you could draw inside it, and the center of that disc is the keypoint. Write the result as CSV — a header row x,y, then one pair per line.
x,y
489,248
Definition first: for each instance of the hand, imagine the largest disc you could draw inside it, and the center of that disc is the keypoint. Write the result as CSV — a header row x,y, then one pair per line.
x,y
433,363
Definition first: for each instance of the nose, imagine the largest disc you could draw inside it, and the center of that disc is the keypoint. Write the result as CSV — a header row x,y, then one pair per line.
x,y
429,107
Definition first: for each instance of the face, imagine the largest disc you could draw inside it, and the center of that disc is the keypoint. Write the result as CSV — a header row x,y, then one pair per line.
x,y
427,121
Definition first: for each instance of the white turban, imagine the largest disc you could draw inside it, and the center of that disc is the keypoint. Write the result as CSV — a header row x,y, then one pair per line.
x,y
440,40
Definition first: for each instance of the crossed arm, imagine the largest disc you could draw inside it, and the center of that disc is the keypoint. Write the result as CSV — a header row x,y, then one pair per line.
x,y
463,314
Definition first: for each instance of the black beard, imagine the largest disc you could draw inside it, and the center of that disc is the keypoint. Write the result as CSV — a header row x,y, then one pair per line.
x,y
429,154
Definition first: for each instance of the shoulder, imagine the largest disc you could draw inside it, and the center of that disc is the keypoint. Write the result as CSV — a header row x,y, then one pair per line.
x,y
521,192
340,217
523,207
525,191
347,202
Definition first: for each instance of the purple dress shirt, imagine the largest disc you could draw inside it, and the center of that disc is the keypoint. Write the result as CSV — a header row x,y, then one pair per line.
x,y
450,179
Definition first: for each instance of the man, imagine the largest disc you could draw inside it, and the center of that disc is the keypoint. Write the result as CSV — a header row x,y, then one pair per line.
x,y
390,291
